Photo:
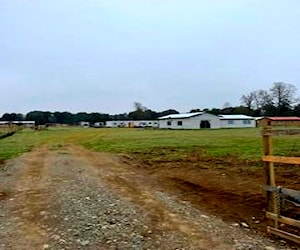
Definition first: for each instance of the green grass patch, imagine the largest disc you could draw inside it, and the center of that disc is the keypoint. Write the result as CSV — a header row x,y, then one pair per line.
x,y
242,143
161,144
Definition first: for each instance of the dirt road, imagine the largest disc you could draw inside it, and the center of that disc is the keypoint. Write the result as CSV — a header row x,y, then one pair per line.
x,y
71,198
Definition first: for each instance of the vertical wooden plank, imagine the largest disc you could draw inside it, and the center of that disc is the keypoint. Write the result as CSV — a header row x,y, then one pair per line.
x,y
269,171
266,148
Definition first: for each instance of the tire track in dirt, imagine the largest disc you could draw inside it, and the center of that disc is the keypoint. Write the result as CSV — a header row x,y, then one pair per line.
x,y
27,199
138,187
32,184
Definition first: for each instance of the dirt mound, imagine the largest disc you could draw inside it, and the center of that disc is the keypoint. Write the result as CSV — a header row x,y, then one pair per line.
x,y
228,187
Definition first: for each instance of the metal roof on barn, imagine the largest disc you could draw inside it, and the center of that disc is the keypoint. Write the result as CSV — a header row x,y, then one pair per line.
x,y
235,117
180,116
285,118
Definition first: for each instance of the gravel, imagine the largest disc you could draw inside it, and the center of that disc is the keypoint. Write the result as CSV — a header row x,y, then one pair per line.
x,y
71,208
91,216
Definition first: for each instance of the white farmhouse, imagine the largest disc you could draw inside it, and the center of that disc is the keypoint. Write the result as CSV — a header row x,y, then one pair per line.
x,y
237,121
196,120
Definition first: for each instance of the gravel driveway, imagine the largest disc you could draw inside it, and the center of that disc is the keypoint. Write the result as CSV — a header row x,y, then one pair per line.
x,y
71,198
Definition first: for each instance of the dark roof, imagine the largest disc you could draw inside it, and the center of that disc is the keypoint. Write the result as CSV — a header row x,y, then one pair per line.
x,y
286,118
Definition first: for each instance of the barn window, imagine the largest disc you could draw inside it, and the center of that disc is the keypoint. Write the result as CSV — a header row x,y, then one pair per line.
x,y
169,123
231,122
246,122
179,123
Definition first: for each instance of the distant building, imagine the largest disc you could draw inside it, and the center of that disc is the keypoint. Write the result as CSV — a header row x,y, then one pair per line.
x,y
237,121
99,125
198,120
280,121
84,124
258,120
132,124
28,124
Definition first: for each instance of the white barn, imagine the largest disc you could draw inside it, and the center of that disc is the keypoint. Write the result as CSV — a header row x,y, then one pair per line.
x,y
196,120
237,121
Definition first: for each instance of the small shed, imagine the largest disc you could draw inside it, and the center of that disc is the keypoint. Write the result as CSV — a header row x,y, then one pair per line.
x,y
84,124
281,121
197,120
237,121
99,125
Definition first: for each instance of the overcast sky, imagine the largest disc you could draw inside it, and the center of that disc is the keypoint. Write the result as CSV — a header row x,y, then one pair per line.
x,y
104,55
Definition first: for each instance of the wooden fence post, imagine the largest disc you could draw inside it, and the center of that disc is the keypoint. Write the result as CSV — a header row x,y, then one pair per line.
x,y
269,171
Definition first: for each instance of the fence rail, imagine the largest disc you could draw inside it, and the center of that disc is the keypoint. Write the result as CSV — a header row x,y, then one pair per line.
x,y
281,159
7,130
273,197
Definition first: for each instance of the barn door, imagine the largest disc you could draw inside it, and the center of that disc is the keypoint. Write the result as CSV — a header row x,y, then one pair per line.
x,y
205,124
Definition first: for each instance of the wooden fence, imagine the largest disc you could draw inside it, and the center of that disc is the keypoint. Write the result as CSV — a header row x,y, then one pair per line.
x,y
8,129
274,194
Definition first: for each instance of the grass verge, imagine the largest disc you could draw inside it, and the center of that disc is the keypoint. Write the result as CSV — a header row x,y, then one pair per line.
x,y
162,144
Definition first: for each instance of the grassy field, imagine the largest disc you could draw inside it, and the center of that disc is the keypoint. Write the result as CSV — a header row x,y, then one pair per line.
x,y
168,144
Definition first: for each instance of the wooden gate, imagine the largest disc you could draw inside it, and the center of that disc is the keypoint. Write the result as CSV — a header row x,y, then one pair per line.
x,y
276,196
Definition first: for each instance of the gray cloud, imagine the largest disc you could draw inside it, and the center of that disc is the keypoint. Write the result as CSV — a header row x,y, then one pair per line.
x,y
104,55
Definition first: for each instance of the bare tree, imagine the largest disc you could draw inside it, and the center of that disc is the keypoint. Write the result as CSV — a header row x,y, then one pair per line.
x,y
139,107
283,94
227,105
262,99
279,100
259,100
248,100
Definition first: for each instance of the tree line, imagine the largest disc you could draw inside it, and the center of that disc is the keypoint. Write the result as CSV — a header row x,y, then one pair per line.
x,y
47,117
279,100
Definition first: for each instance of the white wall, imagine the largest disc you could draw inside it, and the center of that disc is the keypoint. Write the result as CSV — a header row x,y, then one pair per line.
x,y
84,124
116,124
152,123
190,123
187,123
230,123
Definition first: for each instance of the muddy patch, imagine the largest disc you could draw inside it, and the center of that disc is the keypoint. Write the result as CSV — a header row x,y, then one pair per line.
x,y
228,187
3,195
